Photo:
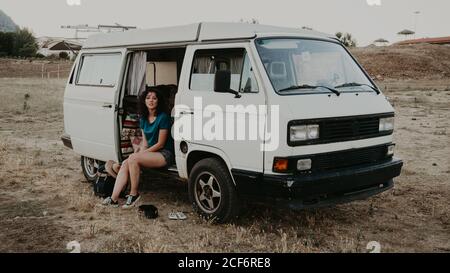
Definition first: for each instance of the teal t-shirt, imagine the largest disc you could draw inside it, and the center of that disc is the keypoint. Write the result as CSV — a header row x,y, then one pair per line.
x,y
151,130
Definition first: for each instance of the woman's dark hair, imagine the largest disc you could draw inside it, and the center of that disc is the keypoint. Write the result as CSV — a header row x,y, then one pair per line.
x,y
162,104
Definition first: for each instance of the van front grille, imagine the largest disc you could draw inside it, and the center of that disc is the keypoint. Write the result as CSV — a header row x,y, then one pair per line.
x,y
343,128
343,159
347,129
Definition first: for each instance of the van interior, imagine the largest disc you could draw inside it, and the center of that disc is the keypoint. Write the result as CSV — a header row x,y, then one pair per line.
x,y
162,70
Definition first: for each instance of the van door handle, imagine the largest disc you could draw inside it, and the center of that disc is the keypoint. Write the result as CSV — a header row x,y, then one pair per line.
x,y
106,105
187,113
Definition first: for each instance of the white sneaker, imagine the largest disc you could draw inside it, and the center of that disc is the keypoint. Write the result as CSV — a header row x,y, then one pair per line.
x,y
109,202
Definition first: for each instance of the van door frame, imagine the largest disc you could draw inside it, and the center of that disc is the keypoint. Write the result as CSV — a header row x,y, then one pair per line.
x,y
119,103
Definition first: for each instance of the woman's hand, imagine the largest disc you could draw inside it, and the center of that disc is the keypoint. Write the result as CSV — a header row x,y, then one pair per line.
x,y
162,138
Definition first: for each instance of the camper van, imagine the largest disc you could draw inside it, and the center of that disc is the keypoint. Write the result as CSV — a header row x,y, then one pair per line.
x,y
263,114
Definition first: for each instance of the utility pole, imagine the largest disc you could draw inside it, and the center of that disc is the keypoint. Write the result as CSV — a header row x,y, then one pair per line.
x,y
416,14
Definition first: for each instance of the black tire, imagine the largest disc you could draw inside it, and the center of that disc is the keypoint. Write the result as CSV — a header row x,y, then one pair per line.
x,y
212,191
89,167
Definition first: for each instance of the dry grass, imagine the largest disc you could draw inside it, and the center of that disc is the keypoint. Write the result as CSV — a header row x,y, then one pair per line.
x,y
46,203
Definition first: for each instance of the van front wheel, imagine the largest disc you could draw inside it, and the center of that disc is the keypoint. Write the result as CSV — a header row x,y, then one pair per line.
x,y
89,167
212,191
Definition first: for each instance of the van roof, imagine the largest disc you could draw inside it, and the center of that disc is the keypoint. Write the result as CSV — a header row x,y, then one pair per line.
x,y
198,32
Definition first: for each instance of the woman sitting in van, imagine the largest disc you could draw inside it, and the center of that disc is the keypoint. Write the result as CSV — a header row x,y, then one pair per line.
x,y
157,151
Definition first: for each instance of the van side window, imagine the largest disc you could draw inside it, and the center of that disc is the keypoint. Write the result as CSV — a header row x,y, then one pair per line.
x,y
248,81
207,62
99,69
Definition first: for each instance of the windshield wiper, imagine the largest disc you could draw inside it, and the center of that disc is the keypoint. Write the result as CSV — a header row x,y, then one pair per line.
x,y
307,86
352,84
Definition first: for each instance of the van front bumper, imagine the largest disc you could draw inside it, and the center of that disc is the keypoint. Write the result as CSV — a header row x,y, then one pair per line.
x,y
65,138
321,189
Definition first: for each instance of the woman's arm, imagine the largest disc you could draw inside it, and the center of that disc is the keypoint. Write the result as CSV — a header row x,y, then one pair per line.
x,y
163,136
144,142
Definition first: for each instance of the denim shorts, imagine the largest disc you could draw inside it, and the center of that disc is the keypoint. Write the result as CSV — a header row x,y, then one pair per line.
x,y
168,156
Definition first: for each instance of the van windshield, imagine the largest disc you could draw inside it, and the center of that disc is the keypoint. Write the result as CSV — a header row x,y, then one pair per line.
x,y
301,66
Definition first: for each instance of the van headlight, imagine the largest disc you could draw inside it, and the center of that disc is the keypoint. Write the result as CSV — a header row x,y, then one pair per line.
x,y
304,132
386,124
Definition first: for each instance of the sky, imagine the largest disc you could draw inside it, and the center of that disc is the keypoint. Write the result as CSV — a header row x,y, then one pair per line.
x,y
381,19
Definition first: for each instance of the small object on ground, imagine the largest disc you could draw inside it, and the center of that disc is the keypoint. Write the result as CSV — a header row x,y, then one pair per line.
x,y
150,211
434,164
181,216
177,216
110,169
173,216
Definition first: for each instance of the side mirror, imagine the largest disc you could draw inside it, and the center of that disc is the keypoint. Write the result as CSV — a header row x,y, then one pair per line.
x,y
222,82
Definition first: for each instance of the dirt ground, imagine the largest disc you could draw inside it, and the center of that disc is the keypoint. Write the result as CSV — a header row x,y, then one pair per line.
x,y
46,203
405,62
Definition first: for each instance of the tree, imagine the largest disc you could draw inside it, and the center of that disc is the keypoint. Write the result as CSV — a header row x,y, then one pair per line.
x,y
7,43
63,55
346,39
253,21
24,43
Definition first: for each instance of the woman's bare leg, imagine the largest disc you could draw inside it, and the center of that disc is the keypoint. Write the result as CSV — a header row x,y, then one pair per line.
x,y
121,180
146,160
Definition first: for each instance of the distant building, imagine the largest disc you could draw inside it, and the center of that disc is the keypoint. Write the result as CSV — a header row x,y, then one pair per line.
x,y
437,41
54,45
380,42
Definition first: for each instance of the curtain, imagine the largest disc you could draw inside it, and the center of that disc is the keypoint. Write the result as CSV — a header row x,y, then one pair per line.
x,y
207,65
136,79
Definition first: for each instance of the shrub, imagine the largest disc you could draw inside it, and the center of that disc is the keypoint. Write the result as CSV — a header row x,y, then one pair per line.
x,y
18,44
7,43
346,39
63,55
25,43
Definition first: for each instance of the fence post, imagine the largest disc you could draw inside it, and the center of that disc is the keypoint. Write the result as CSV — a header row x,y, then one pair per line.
x,y
58,71
42,70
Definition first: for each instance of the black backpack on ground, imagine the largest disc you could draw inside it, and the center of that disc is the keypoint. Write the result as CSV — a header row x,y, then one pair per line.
x,y
104,185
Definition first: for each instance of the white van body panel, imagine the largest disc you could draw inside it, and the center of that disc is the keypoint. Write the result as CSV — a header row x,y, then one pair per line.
x,y
198,32
213,31
243,154
139,37
90,115
181,158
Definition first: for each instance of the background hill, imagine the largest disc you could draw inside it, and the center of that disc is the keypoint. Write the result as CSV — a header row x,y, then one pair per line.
x,y
423,61
6,23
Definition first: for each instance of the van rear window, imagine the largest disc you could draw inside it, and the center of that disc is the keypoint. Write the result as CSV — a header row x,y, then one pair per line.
x,y
99,69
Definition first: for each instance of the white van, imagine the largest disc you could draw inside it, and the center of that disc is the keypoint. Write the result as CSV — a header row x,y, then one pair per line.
x,y
317,130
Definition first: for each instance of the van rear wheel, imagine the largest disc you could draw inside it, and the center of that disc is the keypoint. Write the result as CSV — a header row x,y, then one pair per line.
x,y
212,191
89,167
